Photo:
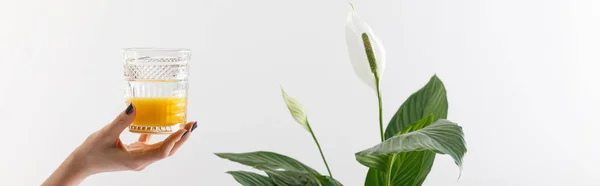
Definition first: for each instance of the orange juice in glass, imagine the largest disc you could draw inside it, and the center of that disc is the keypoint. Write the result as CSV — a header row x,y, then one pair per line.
x,y
156,84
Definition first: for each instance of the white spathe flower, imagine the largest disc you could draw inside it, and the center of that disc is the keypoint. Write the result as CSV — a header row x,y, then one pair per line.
x,y
360,39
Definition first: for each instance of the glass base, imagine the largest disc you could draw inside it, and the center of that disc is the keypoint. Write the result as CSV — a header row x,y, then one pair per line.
x,y
154,129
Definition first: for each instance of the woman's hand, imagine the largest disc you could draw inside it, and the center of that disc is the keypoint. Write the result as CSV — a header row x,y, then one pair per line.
x,y
103,151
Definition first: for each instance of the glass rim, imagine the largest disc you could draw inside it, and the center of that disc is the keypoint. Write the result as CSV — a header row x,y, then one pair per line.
x,y
133,49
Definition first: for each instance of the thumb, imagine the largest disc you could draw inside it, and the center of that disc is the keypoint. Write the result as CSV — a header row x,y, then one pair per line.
x,y
123,120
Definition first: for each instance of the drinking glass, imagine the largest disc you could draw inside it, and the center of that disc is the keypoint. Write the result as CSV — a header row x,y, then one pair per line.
x,y
156,84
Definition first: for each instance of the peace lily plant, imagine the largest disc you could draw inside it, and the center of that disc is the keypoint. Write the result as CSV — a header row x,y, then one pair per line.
x,y
415,134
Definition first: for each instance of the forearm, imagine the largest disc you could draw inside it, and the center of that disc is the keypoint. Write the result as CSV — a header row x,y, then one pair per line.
x,y
69,173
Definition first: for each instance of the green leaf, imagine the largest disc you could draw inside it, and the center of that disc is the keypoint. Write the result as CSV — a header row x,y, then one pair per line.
x,y
282,169
401,171
292,178
296,109
414,167
381,161
422,123
442,136
375,178
264,160
251,179
328,181
411,168
403,176
431,99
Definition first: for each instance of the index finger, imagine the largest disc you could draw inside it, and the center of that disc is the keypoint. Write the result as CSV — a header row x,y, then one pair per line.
x,y
116,127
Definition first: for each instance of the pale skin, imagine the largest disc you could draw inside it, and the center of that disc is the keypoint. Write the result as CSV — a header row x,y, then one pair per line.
x,y
103,151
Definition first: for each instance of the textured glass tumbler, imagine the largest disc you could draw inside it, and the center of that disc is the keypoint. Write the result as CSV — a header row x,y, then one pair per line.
x,y
156,84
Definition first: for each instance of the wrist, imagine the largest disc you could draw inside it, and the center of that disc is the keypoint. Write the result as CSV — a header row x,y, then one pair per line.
x,y
72,171
77,167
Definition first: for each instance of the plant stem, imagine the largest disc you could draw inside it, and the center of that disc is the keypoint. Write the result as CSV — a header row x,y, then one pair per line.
x,y
320,151
389,171
388,176
380,108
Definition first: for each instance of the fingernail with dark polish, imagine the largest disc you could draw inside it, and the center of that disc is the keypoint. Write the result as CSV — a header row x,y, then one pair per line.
x,y
194,126
129,109
185,133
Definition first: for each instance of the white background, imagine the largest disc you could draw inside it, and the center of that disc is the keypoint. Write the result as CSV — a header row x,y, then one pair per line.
x,y
521,77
